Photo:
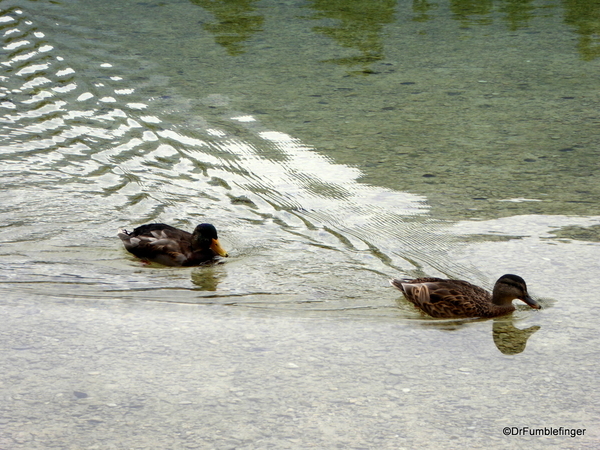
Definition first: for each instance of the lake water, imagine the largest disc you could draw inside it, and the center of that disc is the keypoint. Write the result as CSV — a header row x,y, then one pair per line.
x,y
334,145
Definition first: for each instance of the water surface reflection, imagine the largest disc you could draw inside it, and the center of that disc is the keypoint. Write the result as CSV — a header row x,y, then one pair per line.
x,y
235,22
98,156
509,339
315,180
361,26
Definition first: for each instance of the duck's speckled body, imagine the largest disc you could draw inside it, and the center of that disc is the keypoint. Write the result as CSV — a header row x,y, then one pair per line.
x,y
460,299
171,246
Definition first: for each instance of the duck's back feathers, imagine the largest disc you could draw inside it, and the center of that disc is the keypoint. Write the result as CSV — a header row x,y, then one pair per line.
x,y
171,246
163,228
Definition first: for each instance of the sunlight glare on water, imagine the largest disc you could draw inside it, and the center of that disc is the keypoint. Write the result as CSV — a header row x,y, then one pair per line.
x,y
137,169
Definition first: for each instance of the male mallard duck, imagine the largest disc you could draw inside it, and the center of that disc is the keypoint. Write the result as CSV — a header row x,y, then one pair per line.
x,y
171,246
455,298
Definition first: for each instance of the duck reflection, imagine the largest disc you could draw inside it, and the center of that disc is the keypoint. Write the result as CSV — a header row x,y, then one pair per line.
x,y
509,339
208,277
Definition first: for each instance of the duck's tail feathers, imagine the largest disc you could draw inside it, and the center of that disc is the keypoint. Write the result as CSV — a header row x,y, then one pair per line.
x,y
397,283
123,233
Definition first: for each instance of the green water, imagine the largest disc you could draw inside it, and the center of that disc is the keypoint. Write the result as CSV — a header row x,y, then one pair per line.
x,y
334,145
466,103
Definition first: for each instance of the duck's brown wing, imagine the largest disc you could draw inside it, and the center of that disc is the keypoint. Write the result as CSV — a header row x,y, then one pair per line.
x,y
168,246
443,298
448,302
162,230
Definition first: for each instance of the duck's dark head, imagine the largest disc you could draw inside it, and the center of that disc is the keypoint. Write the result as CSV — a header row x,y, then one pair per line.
x,y
510,287
205,237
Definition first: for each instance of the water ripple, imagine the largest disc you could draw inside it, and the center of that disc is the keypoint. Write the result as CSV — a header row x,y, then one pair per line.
x,y
86,152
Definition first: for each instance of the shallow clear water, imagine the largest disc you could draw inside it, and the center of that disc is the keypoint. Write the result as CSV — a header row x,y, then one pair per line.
x,y
334,145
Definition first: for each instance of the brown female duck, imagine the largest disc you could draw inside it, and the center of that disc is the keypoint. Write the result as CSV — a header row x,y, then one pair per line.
x,y
459,299
171,246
